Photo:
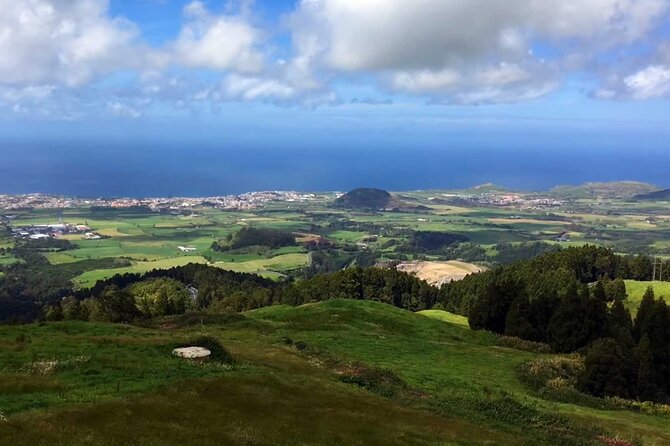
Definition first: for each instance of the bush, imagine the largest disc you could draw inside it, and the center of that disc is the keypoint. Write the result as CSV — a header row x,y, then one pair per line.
x,y
373,379
218,352
522,344
544,373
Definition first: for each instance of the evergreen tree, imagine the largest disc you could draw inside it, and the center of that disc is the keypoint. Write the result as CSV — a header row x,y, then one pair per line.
x,y
518,323
644,314
569,328
647,390
609,370
599,292
597,320
616,290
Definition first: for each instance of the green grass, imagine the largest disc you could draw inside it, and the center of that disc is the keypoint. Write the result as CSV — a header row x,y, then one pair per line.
x,y
89,278
120,385
283,262
636,289
446,316
7,260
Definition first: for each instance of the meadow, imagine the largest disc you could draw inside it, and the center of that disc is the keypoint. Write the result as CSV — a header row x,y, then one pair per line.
x,y
336,372
636,289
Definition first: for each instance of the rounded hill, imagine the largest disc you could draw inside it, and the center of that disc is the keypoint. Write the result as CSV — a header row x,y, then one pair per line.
x,y
370,198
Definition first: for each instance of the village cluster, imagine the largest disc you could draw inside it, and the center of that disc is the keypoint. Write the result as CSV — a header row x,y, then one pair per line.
x,y
248,200
38,232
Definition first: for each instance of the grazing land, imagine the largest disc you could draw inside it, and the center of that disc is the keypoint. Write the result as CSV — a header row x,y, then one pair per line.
x,y
636,289
337,372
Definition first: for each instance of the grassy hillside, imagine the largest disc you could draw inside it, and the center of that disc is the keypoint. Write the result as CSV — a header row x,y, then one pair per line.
x,y
337,372
614,189
659,195
636,289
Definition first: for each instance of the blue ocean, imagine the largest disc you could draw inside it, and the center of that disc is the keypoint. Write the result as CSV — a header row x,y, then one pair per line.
x,y
145,170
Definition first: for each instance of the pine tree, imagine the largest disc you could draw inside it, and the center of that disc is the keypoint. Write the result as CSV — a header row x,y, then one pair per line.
x,y
647,389
599,292
517,322
644,314
609,370
616,290
569,328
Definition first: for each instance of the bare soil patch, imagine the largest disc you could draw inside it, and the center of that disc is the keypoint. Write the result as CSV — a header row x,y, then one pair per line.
x,y
438,273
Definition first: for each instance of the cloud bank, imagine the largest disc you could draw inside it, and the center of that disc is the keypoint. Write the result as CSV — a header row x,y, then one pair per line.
x,y
441,51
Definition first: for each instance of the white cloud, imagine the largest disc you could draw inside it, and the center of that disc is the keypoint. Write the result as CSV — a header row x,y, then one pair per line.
x,y
123,110
53,52
467,49
426,80
651,82
66,42
254,88
11,94
221,42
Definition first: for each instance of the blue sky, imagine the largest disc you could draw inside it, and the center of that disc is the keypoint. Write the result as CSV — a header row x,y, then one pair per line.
x,y
332,73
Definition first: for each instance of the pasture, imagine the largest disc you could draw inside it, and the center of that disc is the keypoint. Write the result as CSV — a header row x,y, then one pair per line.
x,y
636,289
336,372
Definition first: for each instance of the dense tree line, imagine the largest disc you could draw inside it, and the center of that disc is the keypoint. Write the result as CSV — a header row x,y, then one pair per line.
x,y
162,292
329,260
250,236
573,300
382,285
31,283
430,242
631,359
44,244
544,278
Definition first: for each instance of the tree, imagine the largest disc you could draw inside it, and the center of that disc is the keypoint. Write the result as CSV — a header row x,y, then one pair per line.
x,y
599,292
608,370
616,290
644,314
71,309
569,328
161,296
518,321
647,389
53,313
117,305
621,324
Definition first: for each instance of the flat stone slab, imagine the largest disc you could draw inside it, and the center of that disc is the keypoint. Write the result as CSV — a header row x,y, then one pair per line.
x,y
191,352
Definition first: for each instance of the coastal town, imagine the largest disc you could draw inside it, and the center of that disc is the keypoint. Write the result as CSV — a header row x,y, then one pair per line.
x,y
249,200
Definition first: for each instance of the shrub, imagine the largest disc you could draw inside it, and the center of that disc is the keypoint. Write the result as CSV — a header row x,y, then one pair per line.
x,y
539,373
522,344
374,379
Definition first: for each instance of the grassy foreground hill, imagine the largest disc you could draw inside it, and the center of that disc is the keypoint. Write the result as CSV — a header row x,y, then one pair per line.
x,y
336,372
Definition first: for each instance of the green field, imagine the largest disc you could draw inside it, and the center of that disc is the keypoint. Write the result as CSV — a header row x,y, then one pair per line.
x,y
7,260
82,383
152,239
89,278
446,316
636,289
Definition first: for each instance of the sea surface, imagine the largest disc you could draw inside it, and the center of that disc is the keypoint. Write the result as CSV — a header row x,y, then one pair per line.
x,y
147,170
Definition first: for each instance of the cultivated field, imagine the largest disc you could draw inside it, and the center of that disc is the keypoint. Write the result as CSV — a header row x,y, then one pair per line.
x,y
499,232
